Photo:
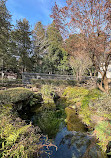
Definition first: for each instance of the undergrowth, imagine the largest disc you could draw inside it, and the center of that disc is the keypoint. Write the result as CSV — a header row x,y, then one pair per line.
x,y
18,139
92,103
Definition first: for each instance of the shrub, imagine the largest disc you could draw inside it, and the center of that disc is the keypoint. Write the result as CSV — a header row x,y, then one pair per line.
x,y
54,82
85,111
92,95
20,97
17,81
85,114
49,123
17,139
103,105
103,133
46,93
10,84
75,94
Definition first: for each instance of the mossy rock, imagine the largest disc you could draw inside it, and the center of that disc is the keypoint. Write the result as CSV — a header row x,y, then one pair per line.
x,y
20,98
73,121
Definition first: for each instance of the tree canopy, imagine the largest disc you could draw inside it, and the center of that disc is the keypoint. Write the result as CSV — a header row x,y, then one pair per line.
x,y
92,19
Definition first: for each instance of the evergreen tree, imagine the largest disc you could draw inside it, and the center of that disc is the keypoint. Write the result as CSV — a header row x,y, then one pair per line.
x,y
40,45
22,38
54,59
5,28
54,36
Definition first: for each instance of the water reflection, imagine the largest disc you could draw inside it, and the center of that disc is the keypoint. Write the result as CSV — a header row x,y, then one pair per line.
x,y
72,144
73,122
73,141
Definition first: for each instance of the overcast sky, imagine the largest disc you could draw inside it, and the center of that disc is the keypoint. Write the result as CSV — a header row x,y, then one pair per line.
x,y
32,10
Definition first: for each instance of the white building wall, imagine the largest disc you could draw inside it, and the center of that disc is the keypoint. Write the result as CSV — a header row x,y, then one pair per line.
x,y
108,74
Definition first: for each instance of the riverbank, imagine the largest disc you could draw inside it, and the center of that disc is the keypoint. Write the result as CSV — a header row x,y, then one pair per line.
x,y
94,109
91,106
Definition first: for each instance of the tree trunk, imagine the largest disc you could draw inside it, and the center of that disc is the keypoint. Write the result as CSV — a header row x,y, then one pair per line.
x,y
103,86
105,81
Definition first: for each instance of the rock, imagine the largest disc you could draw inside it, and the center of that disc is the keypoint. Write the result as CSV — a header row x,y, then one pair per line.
x,y
34,89
73,122
55,96
109,150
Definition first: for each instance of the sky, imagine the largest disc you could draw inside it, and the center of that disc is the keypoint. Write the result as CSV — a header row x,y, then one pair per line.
x,y
32,10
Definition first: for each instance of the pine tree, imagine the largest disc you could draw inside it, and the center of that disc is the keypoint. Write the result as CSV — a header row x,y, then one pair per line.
x,y
54,59
40,45
5,28
22,38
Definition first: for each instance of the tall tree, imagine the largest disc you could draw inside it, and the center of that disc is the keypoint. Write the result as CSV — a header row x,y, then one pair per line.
x,y
22,38
5,28
40,45
79,59
54,35
55,56
91,18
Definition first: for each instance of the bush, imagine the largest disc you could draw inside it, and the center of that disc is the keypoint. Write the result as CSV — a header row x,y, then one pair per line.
x,y
17,81
17,139
85,112
54,82
75,94
49,123
12,83
103,133
20,97
93,95
46,93
103,104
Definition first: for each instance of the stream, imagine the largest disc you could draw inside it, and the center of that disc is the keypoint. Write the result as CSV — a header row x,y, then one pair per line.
x,y
65,130
72,138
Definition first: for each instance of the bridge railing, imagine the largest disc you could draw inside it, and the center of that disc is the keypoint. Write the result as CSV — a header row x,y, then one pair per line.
x,y
27,77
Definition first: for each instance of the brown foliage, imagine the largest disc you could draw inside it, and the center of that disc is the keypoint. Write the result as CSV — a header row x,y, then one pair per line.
x,y
92,19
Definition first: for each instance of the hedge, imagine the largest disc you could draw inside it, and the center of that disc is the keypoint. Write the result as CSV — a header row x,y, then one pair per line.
x,y
17,81
21,97
54,82
12,83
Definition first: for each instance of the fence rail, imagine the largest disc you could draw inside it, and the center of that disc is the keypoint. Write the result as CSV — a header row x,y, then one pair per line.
x,y
27,77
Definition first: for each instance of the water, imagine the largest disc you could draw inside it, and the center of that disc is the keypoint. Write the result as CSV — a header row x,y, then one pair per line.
x,y
73,142
70,144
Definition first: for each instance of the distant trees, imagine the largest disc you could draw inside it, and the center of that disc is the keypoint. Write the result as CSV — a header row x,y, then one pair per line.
x,y
49,55
37,50
84,44
92,19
